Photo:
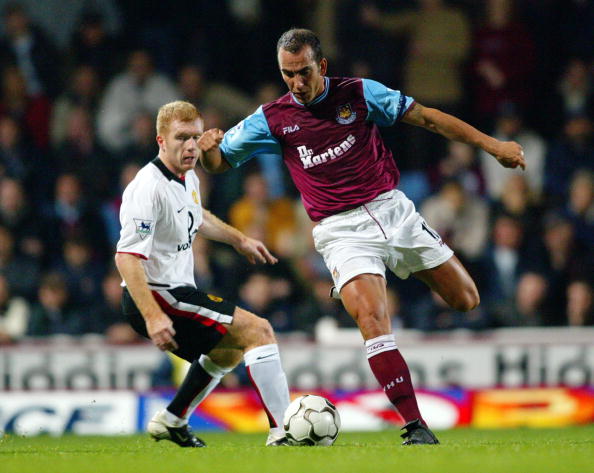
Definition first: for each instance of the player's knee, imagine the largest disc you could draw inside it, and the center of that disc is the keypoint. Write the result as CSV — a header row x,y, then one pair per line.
x,y
263,333
467,300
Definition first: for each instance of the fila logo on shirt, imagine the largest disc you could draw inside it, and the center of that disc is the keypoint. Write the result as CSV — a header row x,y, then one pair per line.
x,y
310,160
290,129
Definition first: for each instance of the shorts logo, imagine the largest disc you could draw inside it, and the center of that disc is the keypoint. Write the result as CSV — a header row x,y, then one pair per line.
x,y
432,232
215,298
345,114
143,227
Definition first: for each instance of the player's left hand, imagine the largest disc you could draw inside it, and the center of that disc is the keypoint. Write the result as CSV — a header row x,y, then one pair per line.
x,y
509,154
255,251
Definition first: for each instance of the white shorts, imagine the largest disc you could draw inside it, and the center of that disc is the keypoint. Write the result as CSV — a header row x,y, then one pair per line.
x,y
384,232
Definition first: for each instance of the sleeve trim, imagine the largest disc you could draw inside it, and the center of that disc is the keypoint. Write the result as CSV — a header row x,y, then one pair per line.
x,y
141,256
412,104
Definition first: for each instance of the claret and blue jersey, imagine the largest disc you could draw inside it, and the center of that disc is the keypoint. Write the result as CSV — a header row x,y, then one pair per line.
x,y
331,146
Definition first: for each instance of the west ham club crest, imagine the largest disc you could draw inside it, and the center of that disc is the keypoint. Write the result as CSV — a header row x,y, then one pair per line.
x,y
345,114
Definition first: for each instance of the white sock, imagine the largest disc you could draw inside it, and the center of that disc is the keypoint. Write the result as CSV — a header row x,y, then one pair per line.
x,y
377,345
172,420
268,378
217,372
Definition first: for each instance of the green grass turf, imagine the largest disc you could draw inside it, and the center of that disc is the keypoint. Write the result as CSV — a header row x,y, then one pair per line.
x,y
461,451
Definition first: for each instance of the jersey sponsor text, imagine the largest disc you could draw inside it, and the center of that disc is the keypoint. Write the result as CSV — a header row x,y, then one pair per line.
x,y
309,160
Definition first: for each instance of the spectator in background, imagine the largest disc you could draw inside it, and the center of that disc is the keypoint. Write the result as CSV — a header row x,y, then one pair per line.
x,y
580,303
54,313
70,214
258,216
574,150
110,209
19,217
318,306
580,206
199,91
106,314
510,126
93,46
434,314
140,88
575,19
503,62
31,112
257,294
14,315
438,45
82,155
461,219
439,42
460,164
83,90
518,201
34,54
142,147
82,275
17,156
502,268
21,272
555,265
573,95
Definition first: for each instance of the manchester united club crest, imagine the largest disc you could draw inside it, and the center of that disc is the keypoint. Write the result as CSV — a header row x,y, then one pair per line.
x,y
345,114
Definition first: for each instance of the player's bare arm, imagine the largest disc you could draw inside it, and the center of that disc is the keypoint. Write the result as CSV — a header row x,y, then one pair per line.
x,y
158,325
210,153
508,153
215,229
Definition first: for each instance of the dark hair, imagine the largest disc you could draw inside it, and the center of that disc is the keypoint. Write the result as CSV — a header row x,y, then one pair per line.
x,y
296,39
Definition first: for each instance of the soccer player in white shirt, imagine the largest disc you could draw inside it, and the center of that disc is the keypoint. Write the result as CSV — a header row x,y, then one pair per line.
x,y
160,216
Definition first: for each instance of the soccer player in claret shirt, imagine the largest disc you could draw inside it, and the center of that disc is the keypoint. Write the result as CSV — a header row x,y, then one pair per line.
x,y
161,214
326,130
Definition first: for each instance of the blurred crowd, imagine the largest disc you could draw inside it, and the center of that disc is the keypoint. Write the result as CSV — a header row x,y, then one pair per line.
x,y
80,87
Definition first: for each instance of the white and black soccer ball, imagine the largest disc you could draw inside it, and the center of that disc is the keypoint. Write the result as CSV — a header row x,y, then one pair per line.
x,y
311,420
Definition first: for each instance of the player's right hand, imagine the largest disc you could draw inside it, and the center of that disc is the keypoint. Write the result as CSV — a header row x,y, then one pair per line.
x,y
160,330
509,154
210,139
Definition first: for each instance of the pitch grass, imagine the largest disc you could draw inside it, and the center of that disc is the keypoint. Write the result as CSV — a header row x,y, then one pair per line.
x,y
462,450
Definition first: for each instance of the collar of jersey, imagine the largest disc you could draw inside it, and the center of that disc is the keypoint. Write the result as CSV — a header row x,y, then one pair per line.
x,y
166,172
318,99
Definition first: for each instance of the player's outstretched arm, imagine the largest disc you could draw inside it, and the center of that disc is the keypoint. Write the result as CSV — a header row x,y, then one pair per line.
x,y
210,153
508,153
215,229
158,325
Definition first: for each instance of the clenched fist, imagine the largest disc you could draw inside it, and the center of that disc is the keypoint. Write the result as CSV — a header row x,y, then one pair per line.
x,y
210,139
509,154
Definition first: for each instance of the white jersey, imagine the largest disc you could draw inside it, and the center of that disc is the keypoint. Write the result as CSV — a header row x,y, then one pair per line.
x,y
160,216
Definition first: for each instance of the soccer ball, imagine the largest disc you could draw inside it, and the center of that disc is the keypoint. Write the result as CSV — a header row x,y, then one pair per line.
x,y
311,420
